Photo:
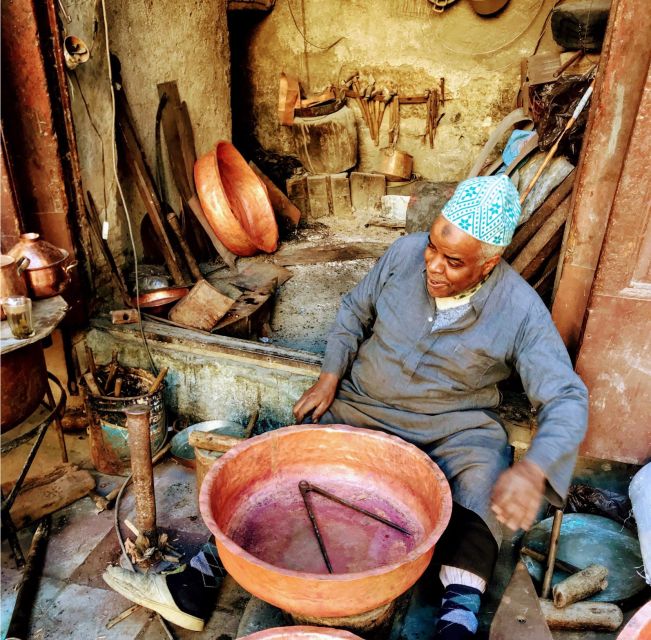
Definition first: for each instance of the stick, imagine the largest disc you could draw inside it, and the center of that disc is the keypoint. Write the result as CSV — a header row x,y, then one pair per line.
x,y
122,616
552,151
118,388
249,427
558,564
581,585
155,386
553,548
187,252
92,367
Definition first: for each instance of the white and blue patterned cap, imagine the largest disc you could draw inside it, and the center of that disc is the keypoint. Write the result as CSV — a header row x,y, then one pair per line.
x,y
487,208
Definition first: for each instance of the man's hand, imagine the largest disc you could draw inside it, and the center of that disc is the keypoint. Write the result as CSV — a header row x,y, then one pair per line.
x,y
317,398
517,495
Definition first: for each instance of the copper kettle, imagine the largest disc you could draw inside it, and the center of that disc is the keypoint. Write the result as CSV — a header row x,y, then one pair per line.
x,y
12,279
48,271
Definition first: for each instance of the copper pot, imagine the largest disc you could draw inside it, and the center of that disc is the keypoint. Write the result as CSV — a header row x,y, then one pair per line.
x,y
12,279
251,503
235,201
48,270
24,382
394,164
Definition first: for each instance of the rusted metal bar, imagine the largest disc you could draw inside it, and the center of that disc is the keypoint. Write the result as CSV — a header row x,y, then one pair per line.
x,y
551,557
304,485
304,488
142,470
19,623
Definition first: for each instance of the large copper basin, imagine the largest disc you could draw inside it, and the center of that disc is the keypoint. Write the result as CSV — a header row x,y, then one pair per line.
x,y
251,502
235,201
301,633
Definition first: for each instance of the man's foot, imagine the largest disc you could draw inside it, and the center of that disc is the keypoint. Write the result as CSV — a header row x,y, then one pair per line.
x,y
180,598
458,615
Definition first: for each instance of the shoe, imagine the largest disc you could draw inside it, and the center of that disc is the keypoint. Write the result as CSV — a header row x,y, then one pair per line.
x,y
152,591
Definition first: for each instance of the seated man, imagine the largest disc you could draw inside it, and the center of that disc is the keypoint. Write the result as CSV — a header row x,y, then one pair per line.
x,y
417,349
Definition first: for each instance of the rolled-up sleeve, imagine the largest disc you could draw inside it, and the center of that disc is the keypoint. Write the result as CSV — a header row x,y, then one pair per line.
x,y
559,397
355,317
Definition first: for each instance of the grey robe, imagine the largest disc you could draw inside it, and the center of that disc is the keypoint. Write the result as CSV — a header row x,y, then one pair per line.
x,y
436,388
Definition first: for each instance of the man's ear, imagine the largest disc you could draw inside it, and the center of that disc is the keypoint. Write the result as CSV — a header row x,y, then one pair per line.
x,y
489,265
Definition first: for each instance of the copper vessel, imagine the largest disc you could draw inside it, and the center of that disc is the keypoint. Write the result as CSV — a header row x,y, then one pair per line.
x,y
250,501
301,633
159,301
235,201
24,382
48,270
12,279
394,164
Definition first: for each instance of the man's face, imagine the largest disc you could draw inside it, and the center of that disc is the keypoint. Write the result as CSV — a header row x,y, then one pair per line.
x,y
453,260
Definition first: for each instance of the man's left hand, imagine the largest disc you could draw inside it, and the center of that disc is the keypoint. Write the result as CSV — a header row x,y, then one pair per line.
x,y
517,495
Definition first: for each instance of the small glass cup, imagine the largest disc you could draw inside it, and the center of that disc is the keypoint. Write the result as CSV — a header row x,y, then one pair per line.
x,y
19,316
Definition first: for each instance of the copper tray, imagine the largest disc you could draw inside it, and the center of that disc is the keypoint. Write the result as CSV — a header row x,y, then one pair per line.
x,y
301,633
251,502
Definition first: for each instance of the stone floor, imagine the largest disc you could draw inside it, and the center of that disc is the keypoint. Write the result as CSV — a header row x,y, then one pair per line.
x,y
73,602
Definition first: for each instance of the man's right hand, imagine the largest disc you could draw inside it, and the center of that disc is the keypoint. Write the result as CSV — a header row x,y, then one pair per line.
x,y
317,398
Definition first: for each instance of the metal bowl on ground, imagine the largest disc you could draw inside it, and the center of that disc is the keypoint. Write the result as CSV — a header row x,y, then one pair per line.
x,y
301,633
235,201
250,501
159,301
183,452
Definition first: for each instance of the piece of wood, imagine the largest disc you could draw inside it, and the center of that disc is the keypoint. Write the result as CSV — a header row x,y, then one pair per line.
x,y
125,316
387,223
91,384
531,226
122,616
542,68
330,253
552,549
317,191
546,232
558,564
187,253
551,248
202,308
155,385
117,391
100,501
583,616
580,586
340,202
519,614
247,316
281,204
39,499
226,255
366,191
145,183
213,441
296,187
545,282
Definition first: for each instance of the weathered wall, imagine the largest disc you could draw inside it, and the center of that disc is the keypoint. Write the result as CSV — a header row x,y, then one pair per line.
x,y
156,41
405,44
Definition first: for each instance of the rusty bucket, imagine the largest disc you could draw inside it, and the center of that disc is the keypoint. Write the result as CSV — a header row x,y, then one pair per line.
x,y
109,446
251,502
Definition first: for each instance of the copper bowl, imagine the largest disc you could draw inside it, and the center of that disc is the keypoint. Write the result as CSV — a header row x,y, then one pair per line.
x,y
160,300
235,201
301,633
250,501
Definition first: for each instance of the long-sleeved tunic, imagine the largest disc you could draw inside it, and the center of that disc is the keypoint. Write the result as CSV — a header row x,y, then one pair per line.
x,y
436,387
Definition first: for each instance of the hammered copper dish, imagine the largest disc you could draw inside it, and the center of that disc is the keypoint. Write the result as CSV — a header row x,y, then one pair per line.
x,y
250,501
235,201
159,301
301,633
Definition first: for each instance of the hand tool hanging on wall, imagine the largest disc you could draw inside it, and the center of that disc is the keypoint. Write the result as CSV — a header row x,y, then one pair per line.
x,y
137,163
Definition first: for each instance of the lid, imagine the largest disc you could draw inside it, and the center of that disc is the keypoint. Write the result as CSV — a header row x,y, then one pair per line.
x,y
41,253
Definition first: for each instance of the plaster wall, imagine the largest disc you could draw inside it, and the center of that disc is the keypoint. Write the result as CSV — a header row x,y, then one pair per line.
x,y
405,45
156,41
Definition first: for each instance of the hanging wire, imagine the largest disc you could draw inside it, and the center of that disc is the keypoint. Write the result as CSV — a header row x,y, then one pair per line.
x,y
117,180
312,44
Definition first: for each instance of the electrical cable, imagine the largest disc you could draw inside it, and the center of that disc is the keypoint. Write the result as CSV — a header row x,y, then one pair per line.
x,y
119,186
316,46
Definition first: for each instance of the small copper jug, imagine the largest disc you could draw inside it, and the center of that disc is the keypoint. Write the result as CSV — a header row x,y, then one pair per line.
x,y
12,280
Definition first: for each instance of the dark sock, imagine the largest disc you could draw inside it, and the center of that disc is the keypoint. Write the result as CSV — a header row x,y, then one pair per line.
x,y
458,614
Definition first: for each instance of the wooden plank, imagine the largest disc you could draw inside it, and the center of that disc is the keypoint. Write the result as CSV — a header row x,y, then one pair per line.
x,y
281,204
202,308
531,226
542,237
551,247
330,253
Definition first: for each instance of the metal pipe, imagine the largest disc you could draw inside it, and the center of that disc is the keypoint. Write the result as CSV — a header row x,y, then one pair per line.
x,y
142,470
553,548
304,488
